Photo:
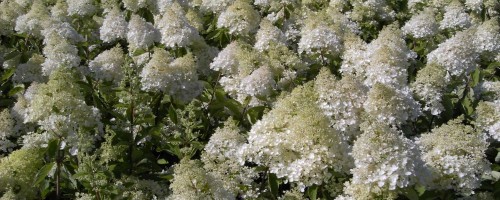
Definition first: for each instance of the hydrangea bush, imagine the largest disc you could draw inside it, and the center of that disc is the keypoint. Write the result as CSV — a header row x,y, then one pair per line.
x,y
250,99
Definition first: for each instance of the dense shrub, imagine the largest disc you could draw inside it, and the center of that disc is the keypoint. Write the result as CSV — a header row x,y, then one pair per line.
x,y
244,99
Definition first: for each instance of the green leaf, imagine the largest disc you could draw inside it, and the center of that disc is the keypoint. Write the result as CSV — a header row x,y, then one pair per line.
x,y
85,86
476,77
411,194
162,162
11,55
234,106
491,70
15,90
467,106
43,172
312,192
273,184
420,189
8,73
495,175
80,175
52,148
130,114
45,189
255,113
6,102
70,177
172,114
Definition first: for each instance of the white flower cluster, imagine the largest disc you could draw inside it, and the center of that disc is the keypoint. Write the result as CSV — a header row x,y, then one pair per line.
x,y
390,105
295,141
383,61
488,118
191,181
389,59
81,7
456,54
370,10
34,21
59,107
30,71
176,77
422,25
353,98
216,6
240,18
321,34
59,50
221,159
114,26
455,17
245,74
454,153
342,101
175,29
487,37
430,85
7,130
268,35
107,66
141,34
385,160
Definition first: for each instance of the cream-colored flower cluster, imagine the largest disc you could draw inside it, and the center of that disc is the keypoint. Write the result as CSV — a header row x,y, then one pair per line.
x,y
250,99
